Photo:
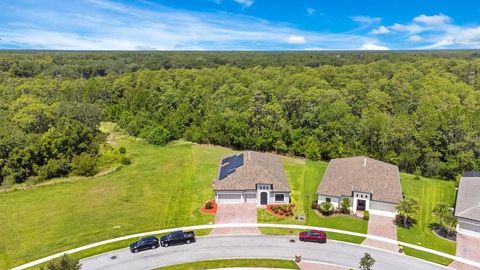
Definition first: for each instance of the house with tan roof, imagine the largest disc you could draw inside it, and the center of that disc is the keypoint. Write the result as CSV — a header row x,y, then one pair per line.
x,y
369,184
251,177
467,206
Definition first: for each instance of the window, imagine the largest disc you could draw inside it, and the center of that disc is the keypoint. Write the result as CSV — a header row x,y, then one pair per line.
x,y
279,197
328,200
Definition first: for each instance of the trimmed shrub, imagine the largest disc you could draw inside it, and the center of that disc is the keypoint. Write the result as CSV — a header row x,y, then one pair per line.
x,y
209,205
125,161
326,208
366,215
122,150
314,205
345,206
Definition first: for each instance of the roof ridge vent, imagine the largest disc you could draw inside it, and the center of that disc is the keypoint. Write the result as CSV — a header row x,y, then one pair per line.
x,y
364,162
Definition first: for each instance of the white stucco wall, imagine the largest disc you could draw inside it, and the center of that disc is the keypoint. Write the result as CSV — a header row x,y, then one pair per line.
x,y
271,199
334,200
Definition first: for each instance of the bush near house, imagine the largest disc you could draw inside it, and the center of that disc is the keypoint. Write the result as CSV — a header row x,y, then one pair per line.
x,y
345,206
366,215
326,208
209,205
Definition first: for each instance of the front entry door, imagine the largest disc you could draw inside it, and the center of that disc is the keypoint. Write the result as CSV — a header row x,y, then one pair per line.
x,y
263,198
361,205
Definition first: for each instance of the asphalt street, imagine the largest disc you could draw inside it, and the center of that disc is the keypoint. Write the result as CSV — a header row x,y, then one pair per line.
x,y
218,247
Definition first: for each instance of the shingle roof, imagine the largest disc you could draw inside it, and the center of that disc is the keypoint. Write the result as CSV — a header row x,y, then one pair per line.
x,y
468,198
362,174
256,168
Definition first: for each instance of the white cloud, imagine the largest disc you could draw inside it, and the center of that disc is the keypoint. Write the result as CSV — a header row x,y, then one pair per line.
x,y
415,38
245,3
366,19
410,28
373,47
310,11
104,25
294,39
380,30
432,20
458,37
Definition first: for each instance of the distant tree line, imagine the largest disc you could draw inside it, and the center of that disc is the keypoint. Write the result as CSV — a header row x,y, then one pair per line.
x,y
417,110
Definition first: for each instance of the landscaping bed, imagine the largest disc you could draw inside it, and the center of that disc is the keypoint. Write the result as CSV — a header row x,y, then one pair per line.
x,y
443,234
284,210
210,208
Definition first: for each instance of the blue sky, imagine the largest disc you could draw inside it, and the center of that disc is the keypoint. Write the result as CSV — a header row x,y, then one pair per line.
x,y
239,24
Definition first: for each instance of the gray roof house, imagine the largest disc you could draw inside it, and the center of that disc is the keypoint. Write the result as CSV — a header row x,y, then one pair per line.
x,y
467,206
251,177
370,184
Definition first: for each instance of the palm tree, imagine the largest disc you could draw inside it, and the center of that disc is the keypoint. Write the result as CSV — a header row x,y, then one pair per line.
x,y
407,208
445,216
441,211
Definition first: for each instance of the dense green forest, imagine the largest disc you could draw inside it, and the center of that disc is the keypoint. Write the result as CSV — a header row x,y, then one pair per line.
x,y
419,110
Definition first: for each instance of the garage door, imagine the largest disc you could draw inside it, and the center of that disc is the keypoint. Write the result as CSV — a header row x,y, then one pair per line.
x,y
251,198
230,198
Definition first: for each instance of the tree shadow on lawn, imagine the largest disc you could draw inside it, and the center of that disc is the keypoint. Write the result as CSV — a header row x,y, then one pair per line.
x,y
410,222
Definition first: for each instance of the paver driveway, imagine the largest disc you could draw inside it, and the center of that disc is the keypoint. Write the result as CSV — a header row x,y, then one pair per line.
x,y
382,226
236,213
467,247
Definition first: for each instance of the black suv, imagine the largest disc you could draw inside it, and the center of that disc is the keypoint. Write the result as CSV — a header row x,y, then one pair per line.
x,y
178,237
150,242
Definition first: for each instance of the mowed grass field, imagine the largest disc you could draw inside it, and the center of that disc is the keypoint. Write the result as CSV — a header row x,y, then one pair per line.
x,y
163,187
428,192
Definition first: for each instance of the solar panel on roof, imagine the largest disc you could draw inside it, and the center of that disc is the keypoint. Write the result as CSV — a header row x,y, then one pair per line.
x,y
471,174
229,165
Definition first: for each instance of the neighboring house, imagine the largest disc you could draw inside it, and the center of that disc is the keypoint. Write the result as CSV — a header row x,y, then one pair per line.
x,y
369,184
251,177
467,207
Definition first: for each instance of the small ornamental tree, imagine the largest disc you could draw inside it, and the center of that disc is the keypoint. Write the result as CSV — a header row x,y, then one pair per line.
x,y
366,262
345,205
406,209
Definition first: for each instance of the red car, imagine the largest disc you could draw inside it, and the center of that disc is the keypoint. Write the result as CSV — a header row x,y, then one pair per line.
x,y
313,236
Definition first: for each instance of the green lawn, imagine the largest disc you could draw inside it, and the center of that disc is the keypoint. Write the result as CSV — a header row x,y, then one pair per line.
x,y
163,187
304,177
166,186
428,192
268,263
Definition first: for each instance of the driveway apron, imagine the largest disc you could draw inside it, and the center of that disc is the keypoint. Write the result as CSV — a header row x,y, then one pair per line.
x,y
382,226
236,213
467,247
